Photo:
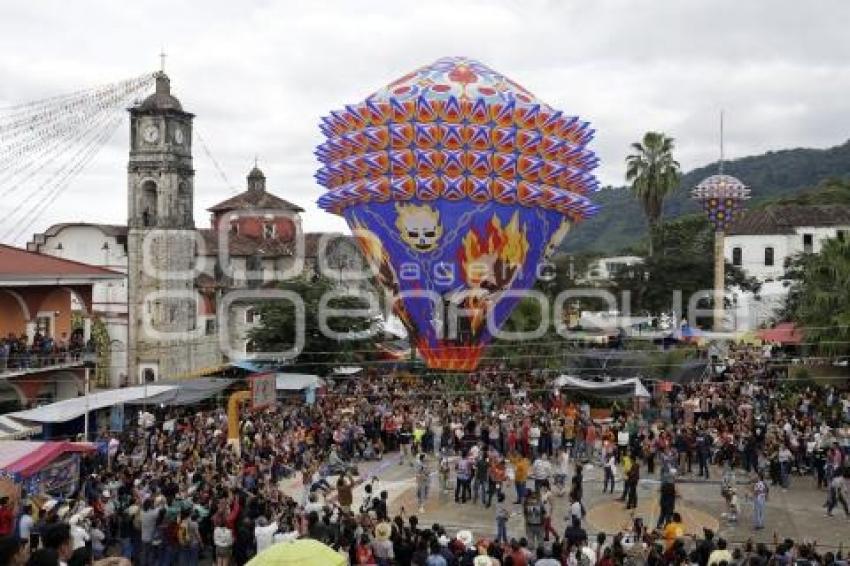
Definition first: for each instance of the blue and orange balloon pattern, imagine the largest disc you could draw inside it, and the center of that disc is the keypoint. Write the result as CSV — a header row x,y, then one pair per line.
x,y
457,182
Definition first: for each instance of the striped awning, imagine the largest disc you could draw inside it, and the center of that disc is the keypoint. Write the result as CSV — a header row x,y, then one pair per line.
x,y
12,429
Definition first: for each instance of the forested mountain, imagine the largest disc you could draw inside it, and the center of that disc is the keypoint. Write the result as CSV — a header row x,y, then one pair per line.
x,y
620,224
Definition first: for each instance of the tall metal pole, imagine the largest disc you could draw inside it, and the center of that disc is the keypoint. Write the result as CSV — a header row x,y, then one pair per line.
x,y
719,280
719,258
86,414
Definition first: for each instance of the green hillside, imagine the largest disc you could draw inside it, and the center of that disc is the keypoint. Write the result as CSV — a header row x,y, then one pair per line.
x,y
620,224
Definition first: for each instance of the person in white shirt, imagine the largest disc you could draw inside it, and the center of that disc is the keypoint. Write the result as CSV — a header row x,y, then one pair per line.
x,y
79,535
720,555
541,470
610,466
534,437
264,533
223,540
25,524
622,443
575,510
562,471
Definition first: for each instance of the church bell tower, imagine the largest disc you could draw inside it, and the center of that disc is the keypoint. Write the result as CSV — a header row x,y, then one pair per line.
x,y
161,238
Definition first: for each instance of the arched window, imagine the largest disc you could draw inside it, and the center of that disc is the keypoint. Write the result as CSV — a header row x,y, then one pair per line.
x,y
184,203
768,256
737,256
148,204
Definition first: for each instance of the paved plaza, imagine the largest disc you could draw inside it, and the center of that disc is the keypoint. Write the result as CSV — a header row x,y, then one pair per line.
x,y
796,513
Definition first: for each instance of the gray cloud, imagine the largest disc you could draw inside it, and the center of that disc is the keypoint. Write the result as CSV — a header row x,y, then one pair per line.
x,y
260,74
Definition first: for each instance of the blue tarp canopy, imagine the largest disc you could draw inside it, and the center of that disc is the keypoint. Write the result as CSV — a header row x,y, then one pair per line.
x,y
248,365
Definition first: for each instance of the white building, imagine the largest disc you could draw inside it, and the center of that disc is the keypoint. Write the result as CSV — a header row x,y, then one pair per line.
x,y
763,239
606,269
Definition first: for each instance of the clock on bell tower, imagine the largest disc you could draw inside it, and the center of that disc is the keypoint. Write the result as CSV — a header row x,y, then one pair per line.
x,y
160,174
161,239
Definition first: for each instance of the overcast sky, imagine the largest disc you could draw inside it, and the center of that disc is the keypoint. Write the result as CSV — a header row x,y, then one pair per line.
x,y
258,75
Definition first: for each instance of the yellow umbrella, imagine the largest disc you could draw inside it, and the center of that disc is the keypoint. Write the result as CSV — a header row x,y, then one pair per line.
x,y
301,552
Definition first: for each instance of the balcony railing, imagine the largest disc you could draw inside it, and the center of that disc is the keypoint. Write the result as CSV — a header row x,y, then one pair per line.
x,y
19,363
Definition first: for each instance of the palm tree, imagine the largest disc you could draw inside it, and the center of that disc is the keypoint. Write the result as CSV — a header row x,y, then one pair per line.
x,y
822,306
654,174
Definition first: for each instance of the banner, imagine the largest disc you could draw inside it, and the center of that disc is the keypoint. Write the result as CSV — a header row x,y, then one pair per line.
x,y
263,390
116,418
60,477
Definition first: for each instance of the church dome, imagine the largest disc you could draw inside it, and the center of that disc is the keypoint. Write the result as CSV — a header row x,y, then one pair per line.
x,y
256,180
161,99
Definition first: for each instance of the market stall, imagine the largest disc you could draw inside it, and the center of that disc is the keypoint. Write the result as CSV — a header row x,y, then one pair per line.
x,y
42,467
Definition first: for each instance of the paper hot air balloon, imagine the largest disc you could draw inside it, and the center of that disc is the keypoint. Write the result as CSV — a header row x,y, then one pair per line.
x,y
457,183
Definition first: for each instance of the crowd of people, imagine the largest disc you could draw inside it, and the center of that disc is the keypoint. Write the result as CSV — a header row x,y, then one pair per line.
x,y
173,490
19,352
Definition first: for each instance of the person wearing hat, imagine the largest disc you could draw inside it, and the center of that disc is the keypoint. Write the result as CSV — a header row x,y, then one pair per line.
x,y
382,547
464,537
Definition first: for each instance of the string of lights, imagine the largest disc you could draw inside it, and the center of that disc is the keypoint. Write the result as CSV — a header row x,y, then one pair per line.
x,y
58,180
46,144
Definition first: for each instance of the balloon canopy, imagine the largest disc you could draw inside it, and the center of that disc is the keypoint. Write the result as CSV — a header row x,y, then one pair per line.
x,y
458,184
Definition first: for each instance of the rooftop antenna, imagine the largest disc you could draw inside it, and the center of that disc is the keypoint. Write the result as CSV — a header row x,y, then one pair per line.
x,y
256,160
162,57
721,142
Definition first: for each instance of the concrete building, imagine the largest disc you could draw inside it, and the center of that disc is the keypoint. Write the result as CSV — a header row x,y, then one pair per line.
x,y
103,245
760,243
605,269
46,304
763,239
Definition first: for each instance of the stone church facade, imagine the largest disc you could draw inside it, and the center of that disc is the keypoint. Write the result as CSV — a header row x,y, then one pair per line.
x,y
179,276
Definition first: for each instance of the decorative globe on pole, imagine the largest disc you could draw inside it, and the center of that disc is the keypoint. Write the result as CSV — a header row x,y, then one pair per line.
x,y
722,197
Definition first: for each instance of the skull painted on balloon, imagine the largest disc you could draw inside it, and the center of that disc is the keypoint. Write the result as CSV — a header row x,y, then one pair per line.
x,y
419,226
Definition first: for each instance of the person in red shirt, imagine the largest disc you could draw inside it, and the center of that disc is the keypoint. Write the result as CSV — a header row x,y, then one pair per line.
x,y
7,517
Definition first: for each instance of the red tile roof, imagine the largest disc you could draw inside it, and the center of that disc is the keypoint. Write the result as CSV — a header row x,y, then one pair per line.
x,y
783,219
16,263
241,245
255,200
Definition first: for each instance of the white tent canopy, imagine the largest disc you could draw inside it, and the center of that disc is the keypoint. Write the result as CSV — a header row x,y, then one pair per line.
x,y
347,371
604,388
10,429
70,409
296,381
